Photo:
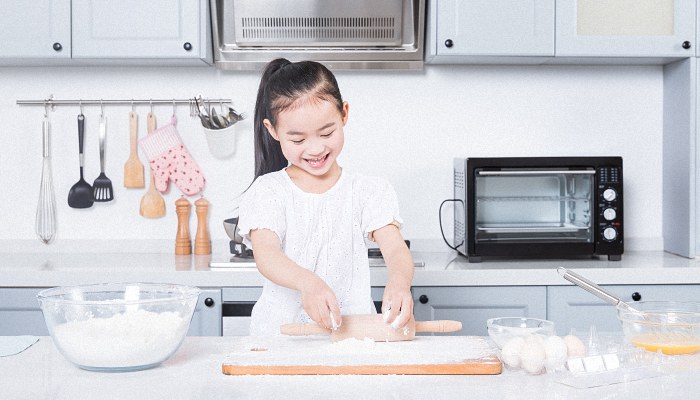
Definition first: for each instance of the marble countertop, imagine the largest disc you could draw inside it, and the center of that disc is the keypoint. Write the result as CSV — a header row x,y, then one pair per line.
x,y
441,269
194,372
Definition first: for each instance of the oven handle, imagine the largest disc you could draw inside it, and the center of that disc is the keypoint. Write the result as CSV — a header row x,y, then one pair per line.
x,y
548,172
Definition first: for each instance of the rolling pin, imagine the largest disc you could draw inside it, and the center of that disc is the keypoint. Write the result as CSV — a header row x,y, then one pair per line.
x,y
373,327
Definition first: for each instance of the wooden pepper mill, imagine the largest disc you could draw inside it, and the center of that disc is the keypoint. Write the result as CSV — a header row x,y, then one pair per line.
x,y
183,243
202,243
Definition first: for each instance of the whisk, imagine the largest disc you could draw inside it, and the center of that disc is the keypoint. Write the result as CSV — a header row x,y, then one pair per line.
x,y
46,209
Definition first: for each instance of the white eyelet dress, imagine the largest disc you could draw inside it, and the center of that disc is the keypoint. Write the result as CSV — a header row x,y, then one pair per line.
x,y
324,233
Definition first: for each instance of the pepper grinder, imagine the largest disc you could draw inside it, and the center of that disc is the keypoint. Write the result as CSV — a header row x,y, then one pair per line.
x,y
183,243
202,243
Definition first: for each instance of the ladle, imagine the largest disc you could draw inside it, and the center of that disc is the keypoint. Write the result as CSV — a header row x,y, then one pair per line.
x,y
596,290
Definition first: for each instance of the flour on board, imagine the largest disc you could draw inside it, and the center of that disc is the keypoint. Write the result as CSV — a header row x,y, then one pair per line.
x,y
320,351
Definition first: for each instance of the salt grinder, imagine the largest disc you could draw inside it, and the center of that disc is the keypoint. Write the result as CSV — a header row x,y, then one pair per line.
x,y
202,243
183,243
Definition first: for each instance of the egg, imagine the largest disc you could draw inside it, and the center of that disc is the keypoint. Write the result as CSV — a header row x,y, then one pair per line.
x,y
532,355
574,346
555,352
510,353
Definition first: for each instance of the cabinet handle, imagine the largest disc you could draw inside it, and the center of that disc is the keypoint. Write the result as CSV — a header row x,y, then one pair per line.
x,y
57,46
423,299
449,43
686,45
209,302
187,46
636,296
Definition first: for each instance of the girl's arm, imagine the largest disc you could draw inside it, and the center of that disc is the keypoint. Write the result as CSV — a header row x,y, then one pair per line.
x,y
397,302
318,299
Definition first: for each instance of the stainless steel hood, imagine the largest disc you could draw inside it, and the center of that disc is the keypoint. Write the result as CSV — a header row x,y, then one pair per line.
x,y
343,34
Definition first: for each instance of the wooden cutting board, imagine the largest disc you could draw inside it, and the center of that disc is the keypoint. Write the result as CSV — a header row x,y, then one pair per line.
x,y
426,355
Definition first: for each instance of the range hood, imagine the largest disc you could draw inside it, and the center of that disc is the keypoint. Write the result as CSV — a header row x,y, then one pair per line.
x,y
343,34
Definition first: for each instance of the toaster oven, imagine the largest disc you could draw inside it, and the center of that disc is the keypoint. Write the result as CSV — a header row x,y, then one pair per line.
x,y
538,207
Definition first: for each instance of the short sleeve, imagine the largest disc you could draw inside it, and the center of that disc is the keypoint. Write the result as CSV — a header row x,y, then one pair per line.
x,y
261,208
381,206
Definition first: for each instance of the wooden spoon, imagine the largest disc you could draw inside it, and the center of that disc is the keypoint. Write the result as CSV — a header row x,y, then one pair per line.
x,y
373,327
133,169
152,203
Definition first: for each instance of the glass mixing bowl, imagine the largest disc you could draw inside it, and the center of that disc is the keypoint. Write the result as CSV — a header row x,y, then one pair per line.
x,y
503,329
118,326
672,327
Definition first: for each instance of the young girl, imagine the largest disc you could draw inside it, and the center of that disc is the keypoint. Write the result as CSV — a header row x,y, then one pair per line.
x,y
306,218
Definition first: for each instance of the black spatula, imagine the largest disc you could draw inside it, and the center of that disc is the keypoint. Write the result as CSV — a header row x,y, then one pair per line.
x,y
80,195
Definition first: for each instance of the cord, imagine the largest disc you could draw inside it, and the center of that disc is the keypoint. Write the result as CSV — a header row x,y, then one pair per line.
x,y
440,219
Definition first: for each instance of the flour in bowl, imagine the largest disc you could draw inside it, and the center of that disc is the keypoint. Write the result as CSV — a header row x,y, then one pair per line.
x,y
133,338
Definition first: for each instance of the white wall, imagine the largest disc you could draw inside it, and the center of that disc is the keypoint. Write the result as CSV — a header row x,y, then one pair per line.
x,y
405,126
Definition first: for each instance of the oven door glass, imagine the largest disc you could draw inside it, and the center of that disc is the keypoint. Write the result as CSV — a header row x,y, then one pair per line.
x,y
534,205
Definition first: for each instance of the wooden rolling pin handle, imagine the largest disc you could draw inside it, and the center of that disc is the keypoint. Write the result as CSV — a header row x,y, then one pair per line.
x,y
438,326
303,329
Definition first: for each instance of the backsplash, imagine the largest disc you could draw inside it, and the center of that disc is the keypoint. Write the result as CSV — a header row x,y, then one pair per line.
x,y
405,126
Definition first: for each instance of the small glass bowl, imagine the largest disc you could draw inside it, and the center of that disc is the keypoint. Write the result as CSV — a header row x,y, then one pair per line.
x,y
672,327
118,326
501,330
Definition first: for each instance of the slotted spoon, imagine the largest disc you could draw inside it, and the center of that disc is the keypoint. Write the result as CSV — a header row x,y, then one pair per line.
x,y
102,187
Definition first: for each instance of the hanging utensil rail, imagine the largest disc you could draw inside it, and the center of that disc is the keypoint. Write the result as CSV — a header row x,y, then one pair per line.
x,y
51,103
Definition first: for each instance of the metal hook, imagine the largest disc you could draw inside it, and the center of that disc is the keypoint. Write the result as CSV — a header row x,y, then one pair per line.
x,y
132,106
102,109
80,103
174,109
151,103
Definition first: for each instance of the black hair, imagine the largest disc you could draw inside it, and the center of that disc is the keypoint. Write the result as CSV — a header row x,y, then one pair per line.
x,y
281,85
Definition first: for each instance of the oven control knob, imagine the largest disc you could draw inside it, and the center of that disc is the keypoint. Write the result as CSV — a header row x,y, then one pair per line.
x,y
609,194
609,233
609,214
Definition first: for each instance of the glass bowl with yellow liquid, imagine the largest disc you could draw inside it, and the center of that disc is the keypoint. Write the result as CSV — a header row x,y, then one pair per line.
x,y
671,327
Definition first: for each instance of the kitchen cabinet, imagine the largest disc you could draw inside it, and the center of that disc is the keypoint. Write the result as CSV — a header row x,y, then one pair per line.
x,y
572,308
625,28
489,30
474,305
135,29
35,30
131,32
20,313
206,320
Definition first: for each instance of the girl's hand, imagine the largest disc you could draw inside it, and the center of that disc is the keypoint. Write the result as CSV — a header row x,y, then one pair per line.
x,y
320,303
397,304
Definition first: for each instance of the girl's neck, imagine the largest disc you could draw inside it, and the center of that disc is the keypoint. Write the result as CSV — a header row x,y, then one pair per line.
x,y
314,183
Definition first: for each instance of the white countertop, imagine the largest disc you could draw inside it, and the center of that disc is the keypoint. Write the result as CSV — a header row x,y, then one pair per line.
x,y
194,372
441,269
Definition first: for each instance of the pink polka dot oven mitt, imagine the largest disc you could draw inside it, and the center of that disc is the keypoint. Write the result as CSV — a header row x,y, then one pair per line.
x,y
170,160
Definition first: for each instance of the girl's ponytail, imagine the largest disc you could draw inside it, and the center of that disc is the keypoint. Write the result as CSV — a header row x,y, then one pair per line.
x,y
268,153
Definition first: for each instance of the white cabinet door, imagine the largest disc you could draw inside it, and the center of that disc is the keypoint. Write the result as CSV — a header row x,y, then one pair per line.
x,y
153,29
495,27
35,29
625,28
474,305
571,307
